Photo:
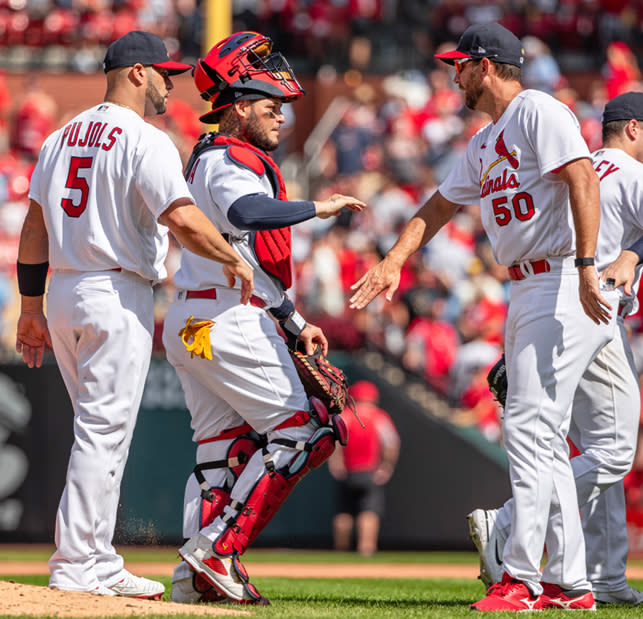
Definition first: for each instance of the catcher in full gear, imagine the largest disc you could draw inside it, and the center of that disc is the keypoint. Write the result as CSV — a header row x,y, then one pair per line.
x,y
257,429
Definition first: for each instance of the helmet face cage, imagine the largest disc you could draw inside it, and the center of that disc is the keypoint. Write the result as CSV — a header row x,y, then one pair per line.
x,y
243,57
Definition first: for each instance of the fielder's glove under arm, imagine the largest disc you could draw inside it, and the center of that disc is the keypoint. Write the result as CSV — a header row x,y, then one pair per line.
x,y
321,378
497,379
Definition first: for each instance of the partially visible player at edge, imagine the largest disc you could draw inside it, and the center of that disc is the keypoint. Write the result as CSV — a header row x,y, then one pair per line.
x,y
257,432
530,171
605,414
105,190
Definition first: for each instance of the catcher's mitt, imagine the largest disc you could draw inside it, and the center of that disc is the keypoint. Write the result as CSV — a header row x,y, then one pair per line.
x,y
497,379
321,379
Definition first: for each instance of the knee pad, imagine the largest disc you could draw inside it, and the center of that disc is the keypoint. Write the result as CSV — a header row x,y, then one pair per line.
x,y
272,489
239,452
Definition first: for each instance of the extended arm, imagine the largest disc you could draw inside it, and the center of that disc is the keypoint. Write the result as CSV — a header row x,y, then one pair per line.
x,y
424,225
32,334
260,212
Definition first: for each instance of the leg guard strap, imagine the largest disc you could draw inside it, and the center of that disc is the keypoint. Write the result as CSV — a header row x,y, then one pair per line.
x,y
238,455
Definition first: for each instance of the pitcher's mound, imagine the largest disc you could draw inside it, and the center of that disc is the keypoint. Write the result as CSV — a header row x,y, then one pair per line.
x,y
19,600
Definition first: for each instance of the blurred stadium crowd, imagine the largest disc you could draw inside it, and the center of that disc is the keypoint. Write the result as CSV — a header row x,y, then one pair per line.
x,y
390,146
381,35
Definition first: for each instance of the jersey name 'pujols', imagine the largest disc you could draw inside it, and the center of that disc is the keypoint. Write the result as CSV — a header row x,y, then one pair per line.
x,y
92,134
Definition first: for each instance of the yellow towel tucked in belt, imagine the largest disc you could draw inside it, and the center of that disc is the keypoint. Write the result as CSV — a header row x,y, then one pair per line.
x,y
199,333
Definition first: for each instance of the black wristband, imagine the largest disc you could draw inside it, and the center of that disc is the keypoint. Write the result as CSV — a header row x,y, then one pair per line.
x,y
584,262
637,248
32,278
282,312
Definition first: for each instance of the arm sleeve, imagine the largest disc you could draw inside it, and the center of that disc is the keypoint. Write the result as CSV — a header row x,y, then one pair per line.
x,y
260,212
637,248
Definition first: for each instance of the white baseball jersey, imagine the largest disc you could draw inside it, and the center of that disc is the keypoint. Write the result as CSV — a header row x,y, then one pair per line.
x,y
508,168
216,183
621,178
103,159
606,408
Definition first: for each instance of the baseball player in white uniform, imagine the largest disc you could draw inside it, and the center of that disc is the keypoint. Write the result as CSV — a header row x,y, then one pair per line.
x,y
105,189
531,172
606,409
256,430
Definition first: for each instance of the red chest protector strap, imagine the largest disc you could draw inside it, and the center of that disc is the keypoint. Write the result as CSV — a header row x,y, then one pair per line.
x,y
273,248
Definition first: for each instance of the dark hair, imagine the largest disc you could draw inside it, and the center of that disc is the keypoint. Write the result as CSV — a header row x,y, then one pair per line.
x,y
613,129
507,72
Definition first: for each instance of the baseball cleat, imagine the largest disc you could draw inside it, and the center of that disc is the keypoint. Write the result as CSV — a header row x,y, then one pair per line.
x,y
225,573
490,543
627,595
510,595
554,596
131,586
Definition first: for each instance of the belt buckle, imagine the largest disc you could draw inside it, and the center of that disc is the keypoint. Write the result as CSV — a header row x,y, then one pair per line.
x,y
180,295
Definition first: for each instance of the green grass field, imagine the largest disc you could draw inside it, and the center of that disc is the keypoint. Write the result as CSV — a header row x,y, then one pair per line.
x,y
346,597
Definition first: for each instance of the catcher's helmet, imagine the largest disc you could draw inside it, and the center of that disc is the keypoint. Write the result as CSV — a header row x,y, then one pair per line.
x,y
240,66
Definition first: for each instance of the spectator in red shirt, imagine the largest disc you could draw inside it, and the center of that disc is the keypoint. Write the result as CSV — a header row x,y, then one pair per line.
x,y
430,342
362,468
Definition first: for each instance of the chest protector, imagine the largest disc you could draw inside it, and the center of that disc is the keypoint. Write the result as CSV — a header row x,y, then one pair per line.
x,y
273,248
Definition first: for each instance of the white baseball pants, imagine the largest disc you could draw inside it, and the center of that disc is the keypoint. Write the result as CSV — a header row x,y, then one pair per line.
x,y
604,427
550,342
101,326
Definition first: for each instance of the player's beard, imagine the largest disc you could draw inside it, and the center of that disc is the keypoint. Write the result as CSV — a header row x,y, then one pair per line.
x,y
257,135
473,92
155,98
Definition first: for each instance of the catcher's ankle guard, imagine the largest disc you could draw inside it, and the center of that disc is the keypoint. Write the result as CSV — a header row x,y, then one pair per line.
x,y
272,489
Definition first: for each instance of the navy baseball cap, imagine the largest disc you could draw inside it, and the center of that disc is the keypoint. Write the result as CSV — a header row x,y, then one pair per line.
x,y
144,47
624,107
491,41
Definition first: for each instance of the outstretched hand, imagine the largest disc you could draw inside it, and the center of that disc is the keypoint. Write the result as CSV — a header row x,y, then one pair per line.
x,y
328,208
383,275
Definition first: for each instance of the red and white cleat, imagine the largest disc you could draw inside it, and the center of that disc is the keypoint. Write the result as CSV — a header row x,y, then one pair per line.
x,y
225,573
509,595
554,596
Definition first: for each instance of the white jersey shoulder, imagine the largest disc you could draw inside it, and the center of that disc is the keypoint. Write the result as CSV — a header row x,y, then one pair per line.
x,y
509,168
621,187
103,180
